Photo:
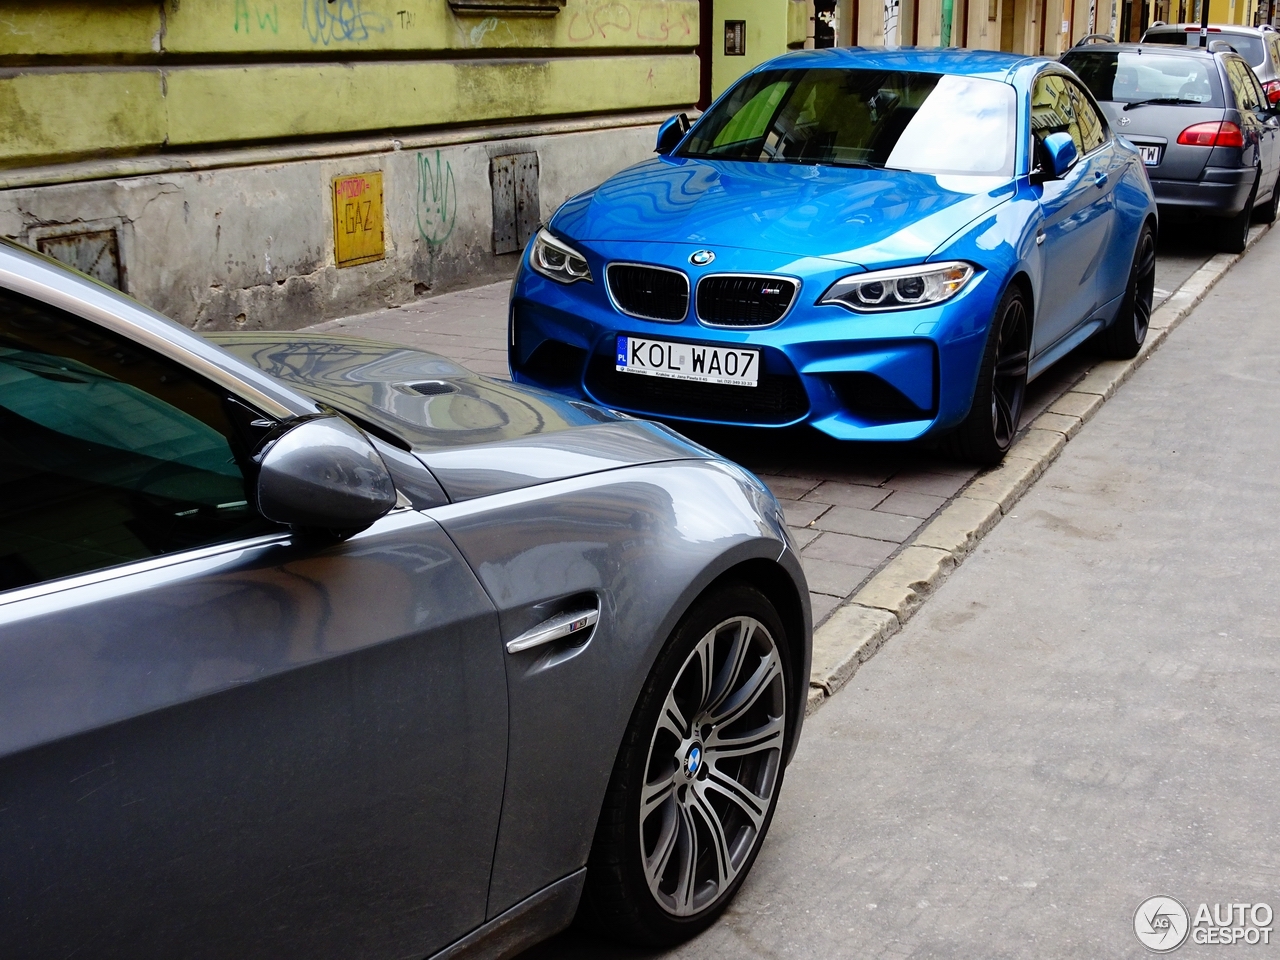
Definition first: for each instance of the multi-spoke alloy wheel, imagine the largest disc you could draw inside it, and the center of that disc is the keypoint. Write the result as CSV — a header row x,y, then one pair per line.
x,y
698,776
1124,337
712,767
988,431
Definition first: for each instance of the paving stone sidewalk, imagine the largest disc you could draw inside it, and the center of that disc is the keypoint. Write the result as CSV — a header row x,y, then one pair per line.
x,y
850,507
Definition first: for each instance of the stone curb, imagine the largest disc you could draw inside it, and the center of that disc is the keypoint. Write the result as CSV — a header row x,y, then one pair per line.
x,y
862,625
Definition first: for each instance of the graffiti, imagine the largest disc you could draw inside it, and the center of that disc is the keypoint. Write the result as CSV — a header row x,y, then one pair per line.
x,y
437,199
248,14
649,20
332,21
406,18
487,25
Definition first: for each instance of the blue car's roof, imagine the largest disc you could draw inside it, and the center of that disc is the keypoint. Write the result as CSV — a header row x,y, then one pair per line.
x,y
991,64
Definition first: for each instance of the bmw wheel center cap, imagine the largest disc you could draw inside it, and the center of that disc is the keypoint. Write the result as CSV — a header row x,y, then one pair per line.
x,y
693,761
701,258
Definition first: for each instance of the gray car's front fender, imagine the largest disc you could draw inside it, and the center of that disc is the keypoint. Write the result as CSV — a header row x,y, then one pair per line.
x,y
644,542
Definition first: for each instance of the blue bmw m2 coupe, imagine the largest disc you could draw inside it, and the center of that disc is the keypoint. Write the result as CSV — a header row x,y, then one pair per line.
x,y
882,244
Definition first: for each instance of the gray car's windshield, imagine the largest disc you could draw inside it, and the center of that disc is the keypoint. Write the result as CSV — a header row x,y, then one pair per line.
x,y
1245,44
1128,76
927,123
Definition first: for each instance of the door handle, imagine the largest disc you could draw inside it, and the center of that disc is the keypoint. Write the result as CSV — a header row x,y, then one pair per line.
x,y
557,627
1100,179
1039,237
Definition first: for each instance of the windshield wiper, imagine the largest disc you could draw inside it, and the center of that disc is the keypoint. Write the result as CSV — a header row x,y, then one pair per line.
x,y
1173,101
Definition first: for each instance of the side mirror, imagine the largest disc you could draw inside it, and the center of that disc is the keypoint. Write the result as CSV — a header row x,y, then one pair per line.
x,y
1059,155
324,474
671,133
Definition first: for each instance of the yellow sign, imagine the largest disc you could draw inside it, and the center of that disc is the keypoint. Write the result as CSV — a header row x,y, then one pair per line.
x,y
357,219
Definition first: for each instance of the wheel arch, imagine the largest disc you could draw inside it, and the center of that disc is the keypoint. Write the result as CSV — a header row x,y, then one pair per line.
x,y
1022,280
779,586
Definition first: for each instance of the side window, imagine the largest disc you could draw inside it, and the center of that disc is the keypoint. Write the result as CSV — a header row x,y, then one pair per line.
x,y
1052,110
1259,95
108,452
1092,128
1240,76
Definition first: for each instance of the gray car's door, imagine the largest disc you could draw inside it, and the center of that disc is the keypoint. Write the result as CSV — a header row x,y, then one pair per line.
x,y
217,740
1259,138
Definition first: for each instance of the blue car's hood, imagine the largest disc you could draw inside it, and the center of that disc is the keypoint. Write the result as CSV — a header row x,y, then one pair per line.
x,y
849,214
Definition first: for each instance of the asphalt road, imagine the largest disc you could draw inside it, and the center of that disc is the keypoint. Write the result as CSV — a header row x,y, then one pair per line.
x,y
1084,715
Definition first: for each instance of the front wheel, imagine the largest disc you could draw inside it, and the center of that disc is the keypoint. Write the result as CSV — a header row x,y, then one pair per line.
x,y
988,431
695,784
1123,339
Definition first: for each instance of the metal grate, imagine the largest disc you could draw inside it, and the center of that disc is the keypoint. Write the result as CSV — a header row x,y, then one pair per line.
x,y
776,399
95,252
744,301
651,293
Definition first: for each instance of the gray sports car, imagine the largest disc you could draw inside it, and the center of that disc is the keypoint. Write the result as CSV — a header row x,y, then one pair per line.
x,y
317,647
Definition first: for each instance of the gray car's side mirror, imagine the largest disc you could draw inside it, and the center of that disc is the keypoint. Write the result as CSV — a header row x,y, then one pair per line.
x,y
671,133
323,474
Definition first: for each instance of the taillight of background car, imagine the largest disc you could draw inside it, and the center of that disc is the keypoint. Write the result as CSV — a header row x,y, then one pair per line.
x,y
1215,133
1272,88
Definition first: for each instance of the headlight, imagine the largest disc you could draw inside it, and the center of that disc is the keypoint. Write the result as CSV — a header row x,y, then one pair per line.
x,y
901,288
556,259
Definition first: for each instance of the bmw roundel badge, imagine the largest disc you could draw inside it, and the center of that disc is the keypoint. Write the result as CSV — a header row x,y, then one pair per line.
x,y
700,258
692,760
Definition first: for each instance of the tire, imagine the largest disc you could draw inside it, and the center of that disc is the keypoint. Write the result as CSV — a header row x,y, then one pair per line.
x,y
1233,234
1123,339
986,434
661,877
1267,213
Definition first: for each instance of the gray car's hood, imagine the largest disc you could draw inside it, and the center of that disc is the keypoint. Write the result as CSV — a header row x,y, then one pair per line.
x,y
477,435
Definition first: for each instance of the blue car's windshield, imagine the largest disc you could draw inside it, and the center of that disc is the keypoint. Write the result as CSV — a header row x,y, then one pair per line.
x,y
924,122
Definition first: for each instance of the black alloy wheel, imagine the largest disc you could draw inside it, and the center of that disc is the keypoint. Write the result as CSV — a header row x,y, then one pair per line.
x,y
988,431
1123,339
697,778
1233,234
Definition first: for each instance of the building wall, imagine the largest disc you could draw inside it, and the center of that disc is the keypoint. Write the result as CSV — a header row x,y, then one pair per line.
x,y
206,133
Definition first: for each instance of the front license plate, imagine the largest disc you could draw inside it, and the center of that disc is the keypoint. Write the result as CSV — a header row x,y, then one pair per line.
x,y
1150,155
688,361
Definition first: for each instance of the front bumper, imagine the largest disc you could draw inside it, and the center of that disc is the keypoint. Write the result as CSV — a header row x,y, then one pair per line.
x,y
1220,192
887,376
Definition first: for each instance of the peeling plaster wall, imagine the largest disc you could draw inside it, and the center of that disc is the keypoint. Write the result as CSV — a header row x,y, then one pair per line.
x,y
253,247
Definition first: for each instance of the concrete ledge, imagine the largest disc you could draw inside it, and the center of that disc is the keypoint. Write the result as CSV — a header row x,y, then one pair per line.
x,y
846,641
1007,482
906,580
1061,423
960,526
859,629
1105,377
1076,404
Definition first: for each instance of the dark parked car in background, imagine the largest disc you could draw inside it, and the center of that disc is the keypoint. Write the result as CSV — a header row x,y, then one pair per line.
x,y
1258,45
316,647
1208,137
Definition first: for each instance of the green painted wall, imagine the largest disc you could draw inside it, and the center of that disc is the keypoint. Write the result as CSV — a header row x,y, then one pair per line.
x,y
771,27
119,77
